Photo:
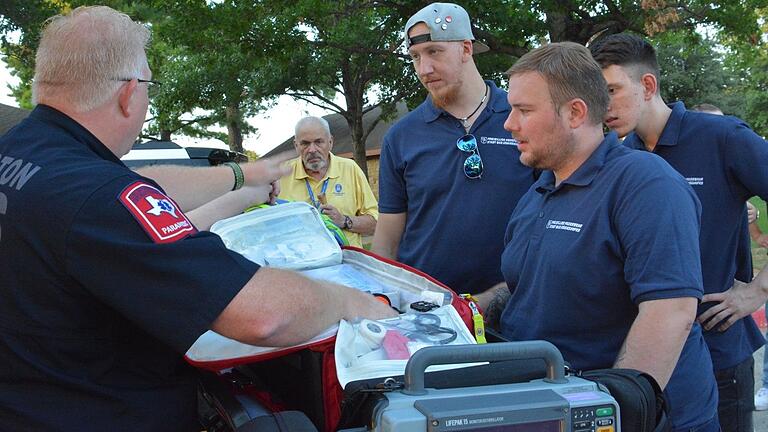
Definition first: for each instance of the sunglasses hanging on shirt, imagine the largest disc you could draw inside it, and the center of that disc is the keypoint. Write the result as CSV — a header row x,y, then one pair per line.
x,y
473,165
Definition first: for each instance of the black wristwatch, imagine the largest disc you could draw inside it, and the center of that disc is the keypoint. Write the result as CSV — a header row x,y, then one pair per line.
x,y
347,223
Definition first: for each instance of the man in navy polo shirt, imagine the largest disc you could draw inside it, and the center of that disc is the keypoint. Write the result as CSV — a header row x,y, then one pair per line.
x,y
587,269
724,161
105,282
449,175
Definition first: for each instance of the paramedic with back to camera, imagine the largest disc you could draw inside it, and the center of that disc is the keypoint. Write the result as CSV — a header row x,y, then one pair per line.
x,y
106,283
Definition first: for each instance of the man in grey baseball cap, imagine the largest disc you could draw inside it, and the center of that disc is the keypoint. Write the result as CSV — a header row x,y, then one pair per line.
x,y
447,22
449,174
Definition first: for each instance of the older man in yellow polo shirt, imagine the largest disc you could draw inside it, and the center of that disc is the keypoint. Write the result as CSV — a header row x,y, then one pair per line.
x,y
336,186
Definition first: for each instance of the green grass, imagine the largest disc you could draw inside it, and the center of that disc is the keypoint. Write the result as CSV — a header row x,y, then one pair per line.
x,y
759,254
763,221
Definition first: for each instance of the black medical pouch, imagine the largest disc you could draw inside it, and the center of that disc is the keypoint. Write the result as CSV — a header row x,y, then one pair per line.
x,y
642,402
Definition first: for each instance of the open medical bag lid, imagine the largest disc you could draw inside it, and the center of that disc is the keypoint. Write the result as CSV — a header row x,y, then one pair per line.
x,y
293,236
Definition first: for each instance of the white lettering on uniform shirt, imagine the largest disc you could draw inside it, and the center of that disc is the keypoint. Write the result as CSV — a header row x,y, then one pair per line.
x,y
498,141
564,225
695,181
15,172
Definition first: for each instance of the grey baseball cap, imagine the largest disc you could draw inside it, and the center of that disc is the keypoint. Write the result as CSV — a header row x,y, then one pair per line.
x,y
447,22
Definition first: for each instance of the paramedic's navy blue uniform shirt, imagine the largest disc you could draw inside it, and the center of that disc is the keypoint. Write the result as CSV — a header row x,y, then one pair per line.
x,y
725,163
95,317
455,225
581,257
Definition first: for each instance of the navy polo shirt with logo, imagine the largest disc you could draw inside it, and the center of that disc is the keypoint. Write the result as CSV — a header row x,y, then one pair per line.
x,y
725,163
581,257
105,285
454,225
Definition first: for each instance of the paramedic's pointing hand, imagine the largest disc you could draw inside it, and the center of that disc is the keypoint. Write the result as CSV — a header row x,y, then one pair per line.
x,y
193,187
267,170
282,308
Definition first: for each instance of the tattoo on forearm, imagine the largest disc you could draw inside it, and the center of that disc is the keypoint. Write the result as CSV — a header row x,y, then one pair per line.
x,y
496,307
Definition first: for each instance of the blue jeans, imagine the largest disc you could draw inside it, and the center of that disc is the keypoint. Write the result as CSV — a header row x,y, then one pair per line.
x,y
736,387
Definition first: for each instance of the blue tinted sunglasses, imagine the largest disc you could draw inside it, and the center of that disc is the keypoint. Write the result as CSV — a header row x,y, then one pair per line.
x,y
473,166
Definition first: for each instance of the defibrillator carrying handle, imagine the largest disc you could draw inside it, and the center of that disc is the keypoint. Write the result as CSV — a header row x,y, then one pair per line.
x,y
452,354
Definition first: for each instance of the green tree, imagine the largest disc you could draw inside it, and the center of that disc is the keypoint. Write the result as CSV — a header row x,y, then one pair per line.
x,y
208,55
230,58
354,49
693,71
25,19
747,62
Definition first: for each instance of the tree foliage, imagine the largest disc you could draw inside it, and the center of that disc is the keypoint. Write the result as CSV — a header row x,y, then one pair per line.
x,y
24,18
748,63
223,61
693,71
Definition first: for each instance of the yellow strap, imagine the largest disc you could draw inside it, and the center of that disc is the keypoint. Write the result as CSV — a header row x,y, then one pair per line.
x,y
477,319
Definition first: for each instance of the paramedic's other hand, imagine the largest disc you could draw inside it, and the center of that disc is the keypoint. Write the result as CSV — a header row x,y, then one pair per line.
x,y
267,170
739,301
333,213
359,304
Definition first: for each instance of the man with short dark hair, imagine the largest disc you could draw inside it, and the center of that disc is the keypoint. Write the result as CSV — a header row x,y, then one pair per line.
x,y
586,268
724,161
449,174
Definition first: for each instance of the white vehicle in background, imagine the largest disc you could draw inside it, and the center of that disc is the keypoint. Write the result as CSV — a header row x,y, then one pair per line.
x,y
169,153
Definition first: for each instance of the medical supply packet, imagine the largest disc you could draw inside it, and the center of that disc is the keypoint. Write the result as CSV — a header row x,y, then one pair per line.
x,y
372,349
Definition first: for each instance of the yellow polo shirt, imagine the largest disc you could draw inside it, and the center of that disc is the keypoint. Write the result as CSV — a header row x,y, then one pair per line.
x,y
348,190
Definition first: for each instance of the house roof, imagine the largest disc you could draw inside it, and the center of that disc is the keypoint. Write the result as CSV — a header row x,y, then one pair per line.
x,y
10,116
342,137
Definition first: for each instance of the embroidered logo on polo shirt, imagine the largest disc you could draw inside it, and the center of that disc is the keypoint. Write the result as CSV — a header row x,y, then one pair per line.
x,y
498,141
695,181
337,188
157,214
564,225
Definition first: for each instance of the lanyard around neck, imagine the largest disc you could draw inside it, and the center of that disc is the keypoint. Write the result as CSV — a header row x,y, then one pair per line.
x,y
312,199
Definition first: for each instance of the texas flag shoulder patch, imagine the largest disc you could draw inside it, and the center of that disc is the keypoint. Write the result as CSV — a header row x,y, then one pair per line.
x,y
156,213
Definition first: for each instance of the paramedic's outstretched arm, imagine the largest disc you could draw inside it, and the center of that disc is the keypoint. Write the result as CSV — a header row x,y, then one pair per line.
x,y
229,204
657,336
492,302
389,231
282,308
192,187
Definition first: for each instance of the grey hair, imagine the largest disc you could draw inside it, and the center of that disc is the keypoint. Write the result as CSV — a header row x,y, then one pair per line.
x,y
83,56
312,120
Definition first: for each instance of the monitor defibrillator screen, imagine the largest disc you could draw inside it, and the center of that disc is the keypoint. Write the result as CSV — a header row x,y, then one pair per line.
x,y
544,426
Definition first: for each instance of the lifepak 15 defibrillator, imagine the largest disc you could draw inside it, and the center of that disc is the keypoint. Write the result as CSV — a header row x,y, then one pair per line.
x,y
556,403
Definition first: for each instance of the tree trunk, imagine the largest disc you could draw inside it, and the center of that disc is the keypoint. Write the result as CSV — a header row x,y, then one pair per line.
x,y
234,130
165,134
354,89
358,146
557,23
